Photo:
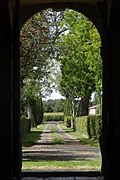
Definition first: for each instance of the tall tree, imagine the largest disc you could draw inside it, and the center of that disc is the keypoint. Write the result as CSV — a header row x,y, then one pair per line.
x,y
79,54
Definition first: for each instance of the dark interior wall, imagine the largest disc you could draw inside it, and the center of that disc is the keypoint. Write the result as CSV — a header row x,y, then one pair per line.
x,y
114,91
10,151
89,10
15,103
9,94
5,92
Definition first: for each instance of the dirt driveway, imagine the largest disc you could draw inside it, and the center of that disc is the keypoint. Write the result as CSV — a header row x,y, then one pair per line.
x,y
45,149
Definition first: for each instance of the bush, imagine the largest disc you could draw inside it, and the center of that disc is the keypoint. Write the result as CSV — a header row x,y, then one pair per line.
x,y
53,117
67,120
25,125
94,125
81,125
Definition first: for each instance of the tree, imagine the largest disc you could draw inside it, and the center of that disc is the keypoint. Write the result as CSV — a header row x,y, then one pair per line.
x,y
71,39
37,38
79,55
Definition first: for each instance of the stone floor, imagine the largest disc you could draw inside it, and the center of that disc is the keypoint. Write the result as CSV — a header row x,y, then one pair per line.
x,y
62,178
61,175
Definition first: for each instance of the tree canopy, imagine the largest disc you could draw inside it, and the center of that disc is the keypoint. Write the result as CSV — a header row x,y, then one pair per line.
x,y
79,55
60,48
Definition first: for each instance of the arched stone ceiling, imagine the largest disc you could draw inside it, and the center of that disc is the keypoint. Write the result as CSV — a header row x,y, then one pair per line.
x,y
31,2
88,7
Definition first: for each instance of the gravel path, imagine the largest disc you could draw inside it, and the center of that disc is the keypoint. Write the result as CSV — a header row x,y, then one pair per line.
x,y
45,149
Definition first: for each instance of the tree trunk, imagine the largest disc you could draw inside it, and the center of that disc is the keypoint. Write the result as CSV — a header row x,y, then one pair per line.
x,y
84,107
73,112
79,108
29,112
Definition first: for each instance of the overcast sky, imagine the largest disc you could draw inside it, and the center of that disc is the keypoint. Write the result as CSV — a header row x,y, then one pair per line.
x,y
55,95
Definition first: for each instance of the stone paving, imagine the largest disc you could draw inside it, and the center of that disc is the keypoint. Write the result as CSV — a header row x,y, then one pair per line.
x,y
63,178
44,149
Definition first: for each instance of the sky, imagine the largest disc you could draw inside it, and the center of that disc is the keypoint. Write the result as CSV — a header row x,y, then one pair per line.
x,y
55,95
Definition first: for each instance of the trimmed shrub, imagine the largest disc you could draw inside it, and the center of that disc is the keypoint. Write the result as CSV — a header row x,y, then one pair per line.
x,y
37,110
53,117
81,125
89,126
25,125
94,125
67,120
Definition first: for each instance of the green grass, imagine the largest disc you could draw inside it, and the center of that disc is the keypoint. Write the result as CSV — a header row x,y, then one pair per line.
x,y
55,136
81,137
60,165
31,137
58,140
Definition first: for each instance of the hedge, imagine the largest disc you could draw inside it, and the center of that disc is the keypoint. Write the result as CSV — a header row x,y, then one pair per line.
x,y
89,126
81,125
25,125
94,125
67,120
53,117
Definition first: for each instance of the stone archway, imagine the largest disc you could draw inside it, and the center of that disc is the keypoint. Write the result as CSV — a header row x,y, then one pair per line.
x,y
107,16
91,10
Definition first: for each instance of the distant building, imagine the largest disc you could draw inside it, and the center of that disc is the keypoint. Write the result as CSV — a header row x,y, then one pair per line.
x,y
93,109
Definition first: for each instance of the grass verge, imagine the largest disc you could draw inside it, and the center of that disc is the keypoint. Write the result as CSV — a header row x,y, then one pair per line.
x,y
81,137
60,165
31,137
55,136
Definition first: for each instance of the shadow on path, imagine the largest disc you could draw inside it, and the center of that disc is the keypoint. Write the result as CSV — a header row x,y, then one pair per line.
x,y
46,149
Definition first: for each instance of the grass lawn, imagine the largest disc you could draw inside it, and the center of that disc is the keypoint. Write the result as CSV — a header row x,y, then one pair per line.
x,y
61,165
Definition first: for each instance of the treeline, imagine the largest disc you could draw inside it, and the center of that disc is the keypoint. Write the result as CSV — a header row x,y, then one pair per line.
x,y
64,105
54,105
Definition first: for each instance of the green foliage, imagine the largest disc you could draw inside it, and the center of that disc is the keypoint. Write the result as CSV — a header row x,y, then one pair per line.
x,y
53,117
59,105
37,109
67,120
40,110
35,48
25,125
58,140
36,64
98,101
67,110
47,108
81,126
31,137
94,125
79,55
86,126
54,105
73,40
81,134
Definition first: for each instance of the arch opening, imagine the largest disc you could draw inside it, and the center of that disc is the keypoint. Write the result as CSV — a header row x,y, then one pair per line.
x,y
64,35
